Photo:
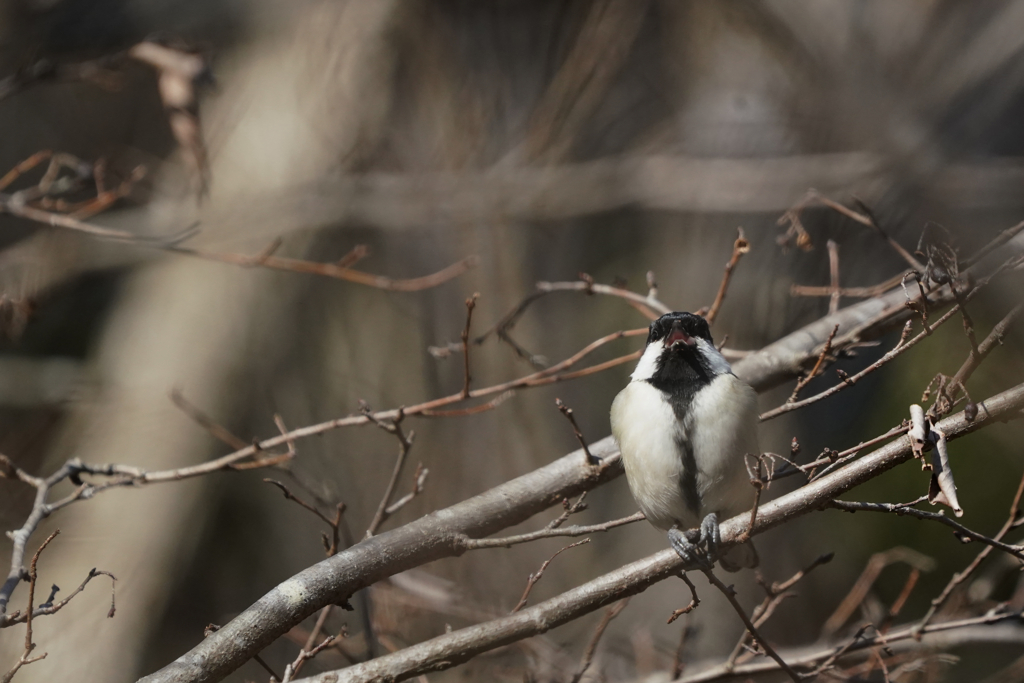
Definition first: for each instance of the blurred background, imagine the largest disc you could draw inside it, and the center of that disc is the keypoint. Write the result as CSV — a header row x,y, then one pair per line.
x,y
548,138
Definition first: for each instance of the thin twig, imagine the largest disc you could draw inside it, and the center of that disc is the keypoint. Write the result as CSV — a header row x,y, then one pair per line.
x,y
304,655
507,321
961,531
404,444
588,654
677,659
468,543
730,595
26,656
295,499
896,246
740,247
849,292
470,305
567,411
535,577
775,594
692,605
853,379
833,269
976,356
825,351
860,588
337,271
199,417
1000,239
958,578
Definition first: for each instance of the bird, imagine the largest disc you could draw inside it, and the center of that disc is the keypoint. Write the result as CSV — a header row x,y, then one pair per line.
x,y
684,424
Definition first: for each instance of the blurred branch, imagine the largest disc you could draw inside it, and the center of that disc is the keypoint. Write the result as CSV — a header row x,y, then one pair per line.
x,y
332,270
36,204
588,654
975,629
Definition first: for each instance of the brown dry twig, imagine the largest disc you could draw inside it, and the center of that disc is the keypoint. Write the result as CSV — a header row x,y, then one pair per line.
x,y
853,379
730,595
335,524
588,653
216,430
692,605
947,393
649,306
467,543
393,427
304,656
802,382
775,593
26,656
470,305
535,577
567,411
1012,522
849,292
872,221
334,270
872,570
740,247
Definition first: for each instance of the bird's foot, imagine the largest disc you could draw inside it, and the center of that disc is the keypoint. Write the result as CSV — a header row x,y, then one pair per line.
x,y
698,549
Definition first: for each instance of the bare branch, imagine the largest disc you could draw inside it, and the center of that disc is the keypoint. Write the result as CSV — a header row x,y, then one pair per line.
x,y
588,654
853,379
874,567
567,411
535,577
833,269
802,382
740,247
470,305
692,605
335,270
730,595
404,445
570,531
958,578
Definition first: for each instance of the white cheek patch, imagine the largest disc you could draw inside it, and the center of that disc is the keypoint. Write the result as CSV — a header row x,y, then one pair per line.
x,y
716,361
648,364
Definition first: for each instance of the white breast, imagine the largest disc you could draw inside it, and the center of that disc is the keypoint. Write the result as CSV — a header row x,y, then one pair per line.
x,y
725,413
723,426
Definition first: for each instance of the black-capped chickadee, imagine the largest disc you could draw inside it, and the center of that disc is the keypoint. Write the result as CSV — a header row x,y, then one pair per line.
x,y
684,424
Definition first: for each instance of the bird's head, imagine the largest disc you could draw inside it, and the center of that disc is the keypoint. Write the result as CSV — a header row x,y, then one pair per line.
x,y
680,345
679,328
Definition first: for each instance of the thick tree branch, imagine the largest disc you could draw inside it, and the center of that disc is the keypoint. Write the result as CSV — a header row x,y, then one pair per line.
x,y
429,538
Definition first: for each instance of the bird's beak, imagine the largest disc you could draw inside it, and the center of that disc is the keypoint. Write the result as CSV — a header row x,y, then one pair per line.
x,y
676,336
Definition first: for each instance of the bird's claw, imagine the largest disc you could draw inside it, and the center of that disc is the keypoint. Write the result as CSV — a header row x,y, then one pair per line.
x,y
698,549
